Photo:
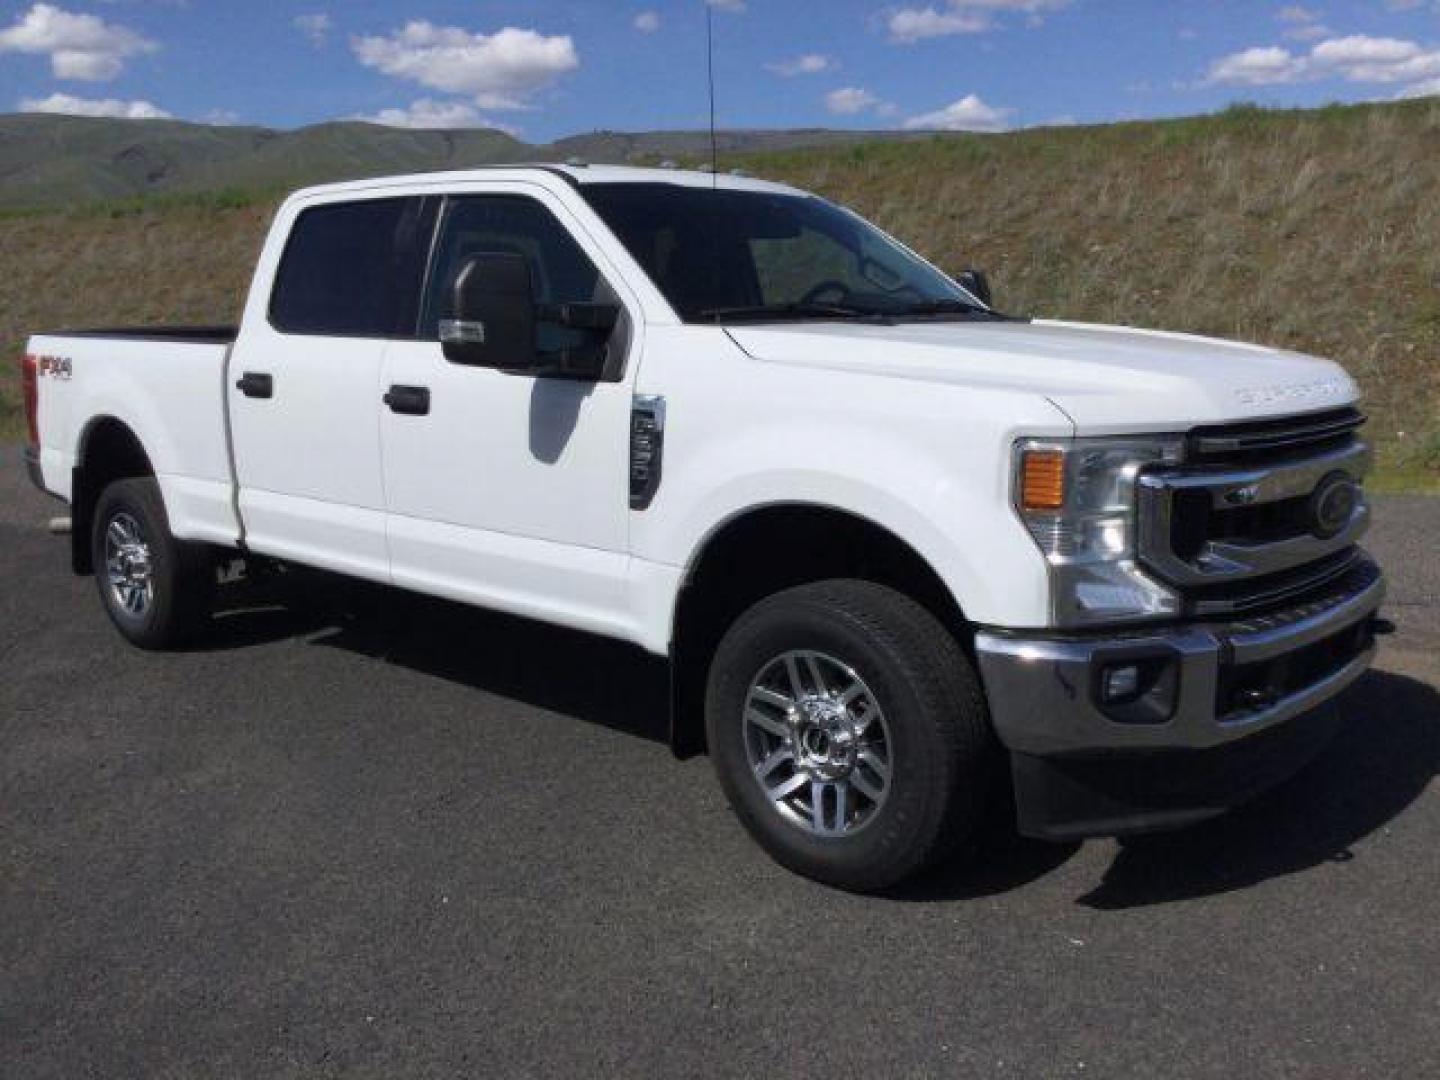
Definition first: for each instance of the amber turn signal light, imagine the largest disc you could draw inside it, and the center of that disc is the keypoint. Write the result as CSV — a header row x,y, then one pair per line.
x,y
1042,480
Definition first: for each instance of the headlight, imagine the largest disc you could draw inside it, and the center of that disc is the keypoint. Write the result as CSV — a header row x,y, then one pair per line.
x,y
1077,498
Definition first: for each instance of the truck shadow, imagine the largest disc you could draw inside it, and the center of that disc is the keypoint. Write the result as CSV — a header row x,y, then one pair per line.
x,y
1382,760
591,678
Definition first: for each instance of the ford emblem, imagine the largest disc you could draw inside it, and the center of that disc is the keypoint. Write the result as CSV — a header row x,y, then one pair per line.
x,y
1333,504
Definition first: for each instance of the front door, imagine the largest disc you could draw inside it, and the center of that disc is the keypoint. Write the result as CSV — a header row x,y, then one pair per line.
x,y
511,490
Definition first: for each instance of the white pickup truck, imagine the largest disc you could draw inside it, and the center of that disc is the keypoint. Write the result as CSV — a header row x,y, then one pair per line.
x,y
902,552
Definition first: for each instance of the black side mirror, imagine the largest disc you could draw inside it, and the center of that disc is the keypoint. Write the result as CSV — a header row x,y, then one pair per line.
x,y
976,284
597,318
491,318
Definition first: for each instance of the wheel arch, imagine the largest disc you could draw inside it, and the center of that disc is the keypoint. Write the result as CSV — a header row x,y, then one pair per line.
x,y
764,549
108,450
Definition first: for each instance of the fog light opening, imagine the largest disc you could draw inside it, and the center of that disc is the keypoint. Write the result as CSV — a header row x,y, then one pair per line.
x,y
1137,687
1120,684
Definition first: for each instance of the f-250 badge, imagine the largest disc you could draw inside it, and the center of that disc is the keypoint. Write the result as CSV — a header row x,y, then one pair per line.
x,y
55,367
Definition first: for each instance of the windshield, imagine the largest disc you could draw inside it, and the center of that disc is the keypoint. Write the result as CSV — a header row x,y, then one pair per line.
x,y
721,255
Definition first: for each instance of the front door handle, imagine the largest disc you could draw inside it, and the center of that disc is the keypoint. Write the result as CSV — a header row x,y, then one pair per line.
x,y
409,400
254,384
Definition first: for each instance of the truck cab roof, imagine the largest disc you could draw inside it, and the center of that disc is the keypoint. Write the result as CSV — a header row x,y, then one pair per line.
x,y
576,175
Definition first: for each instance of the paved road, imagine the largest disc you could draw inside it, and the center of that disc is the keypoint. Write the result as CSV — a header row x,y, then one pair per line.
x,y
408,840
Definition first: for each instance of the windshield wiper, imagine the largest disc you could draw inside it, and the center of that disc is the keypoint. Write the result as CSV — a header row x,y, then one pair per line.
x,y
949,306
793,311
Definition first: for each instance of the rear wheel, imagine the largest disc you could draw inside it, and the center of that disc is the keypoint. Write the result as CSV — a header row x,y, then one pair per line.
x,y
155,588
849,733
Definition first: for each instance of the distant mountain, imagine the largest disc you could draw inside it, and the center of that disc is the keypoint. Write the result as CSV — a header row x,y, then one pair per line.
x,y
47,160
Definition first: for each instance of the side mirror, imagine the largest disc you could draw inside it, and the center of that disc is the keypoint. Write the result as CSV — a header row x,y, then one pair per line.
x,y
977,284
596,318
491,317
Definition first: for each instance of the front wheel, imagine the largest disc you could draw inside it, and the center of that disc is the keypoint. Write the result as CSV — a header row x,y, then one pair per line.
x,y
155,588
849,733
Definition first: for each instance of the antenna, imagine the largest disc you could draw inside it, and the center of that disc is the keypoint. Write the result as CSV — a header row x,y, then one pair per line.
x,y
710,71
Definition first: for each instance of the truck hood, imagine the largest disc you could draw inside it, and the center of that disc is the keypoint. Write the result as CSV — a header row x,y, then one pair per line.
x,y
1107,379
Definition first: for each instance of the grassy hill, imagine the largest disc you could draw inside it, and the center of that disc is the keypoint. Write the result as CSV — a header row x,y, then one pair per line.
x,y
63,160
1317,230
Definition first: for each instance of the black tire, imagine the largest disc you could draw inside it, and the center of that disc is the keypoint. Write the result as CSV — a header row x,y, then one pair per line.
x,y
940,748
181,576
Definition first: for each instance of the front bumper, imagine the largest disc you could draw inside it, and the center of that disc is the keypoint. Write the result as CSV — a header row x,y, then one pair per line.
x,y
1226,710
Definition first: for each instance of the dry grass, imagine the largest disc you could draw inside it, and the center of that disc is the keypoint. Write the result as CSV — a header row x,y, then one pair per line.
x,y
1313,230
179,261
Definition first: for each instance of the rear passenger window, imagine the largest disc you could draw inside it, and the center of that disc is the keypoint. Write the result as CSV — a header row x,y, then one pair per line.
x,y
354,269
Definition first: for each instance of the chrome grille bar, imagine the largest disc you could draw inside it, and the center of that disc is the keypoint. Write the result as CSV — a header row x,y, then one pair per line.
x,y
1296,433
1218,560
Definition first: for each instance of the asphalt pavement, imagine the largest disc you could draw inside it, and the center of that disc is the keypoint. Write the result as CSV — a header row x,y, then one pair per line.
x,y
372,835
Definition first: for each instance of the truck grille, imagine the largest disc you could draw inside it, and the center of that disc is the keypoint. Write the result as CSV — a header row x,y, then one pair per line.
x,y
1236,444
1259,514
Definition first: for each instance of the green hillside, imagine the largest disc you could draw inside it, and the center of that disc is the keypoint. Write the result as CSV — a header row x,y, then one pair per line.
x,y
48,161
1316,230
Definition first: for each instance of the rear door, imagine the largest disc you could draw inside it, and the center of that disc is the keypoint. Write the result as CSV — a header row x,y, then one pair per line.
x,y
513,490
305,381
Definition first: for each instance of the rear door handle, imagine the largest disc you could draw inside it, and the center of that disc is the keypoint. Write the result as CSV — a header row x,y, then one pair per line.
x,y
254,384
409,400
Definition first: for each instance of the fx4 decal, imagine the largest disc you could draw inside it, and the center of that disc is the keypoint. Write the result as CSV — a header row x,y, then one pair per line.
x,y
55,367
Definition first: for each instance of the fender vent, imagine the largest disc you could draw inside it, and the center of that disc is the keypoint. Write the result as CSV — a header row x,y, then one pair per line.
x,y
647,449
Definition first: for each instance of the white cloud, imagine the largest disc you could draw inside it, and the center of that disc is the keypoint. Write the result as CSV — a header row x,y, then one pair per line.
x,y
1263,66
113,108
1357,58
502,70
429,114
81,47
647,22
1302,24
1427,88
808,64
909,25
970,113
849,100
316,27
1368,59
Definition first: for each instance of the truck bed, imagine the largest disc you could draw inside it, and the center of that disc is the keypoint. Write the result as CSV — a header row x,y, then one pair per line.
x,y
167,387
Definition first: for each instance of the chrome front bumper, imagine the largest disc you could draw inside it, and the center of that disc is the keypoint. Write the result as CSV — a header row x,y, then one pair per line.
x,y
1044,693
1234,712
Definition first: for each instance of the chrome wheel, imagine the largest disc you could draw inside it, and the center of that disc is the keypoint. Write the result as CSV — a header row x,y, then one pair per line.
x,y
128,566
817,743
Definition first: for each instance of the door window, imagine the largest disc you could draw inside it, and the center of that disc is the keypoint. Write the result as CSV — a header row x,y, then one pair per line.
x,y
560,272
354,269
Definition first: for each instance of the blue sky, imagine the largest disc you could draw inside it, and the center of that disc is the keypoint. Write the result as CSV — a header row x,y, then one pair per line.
x,y
547,68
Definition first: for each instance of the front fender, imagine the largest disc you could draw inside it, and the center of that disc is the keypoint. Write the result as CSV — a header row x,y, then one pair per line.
x,y
928,463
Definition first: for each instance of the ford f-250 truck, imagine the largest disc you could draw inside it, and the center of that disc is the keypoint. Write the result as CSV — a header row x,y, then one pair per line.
x,y
893,542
